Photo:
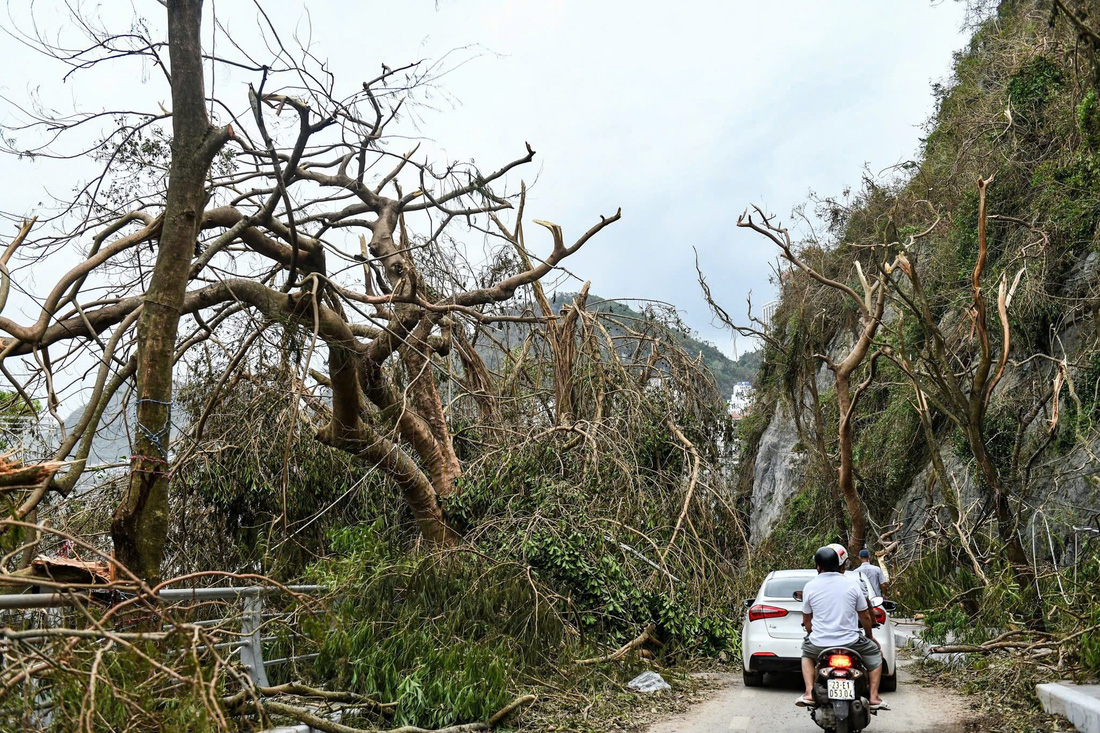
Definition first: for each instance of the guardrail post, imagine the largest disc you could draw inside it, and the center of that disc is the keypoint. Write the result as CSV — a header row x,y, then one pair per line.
x,y
252,655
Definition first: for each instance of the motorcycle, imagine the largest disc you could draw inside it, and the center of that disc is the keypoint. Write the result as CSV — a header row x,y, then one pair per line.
x,y
842,691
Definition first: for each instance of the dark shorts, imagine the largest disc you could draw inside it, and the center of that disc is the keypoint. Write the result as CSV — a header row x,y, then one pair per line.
x,y
872,655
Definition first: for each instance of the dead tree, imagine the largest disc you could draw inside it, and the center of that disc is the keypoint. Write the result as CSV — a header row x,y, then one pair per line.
x,y
869,306
959,380
799,379
260,224
560,331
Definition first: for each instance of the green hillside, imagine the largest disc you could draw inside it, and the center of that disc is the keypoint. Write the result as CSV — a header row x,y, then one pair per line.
x,y
726,371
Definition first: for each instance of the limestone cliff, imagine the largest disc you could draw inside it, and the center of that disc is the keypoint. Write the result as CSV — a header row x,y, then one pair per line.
x,y
1020,113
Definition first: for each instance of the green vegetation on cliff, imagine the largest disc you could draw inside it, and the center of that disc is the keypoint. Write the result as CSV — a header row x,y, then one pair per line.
x,y
1023,109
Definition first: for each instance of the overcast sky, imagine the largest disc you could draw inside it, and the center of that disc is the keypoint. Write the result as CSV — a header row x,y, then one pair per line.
x,y
681,113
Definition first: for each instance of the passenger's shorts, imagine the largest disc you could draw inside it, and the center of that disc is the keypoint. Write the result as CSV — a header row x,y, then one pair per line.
x,y
869,650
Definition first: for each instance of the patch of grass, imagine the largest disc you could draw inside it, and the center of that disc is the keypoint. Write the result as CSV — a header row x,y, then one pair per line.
x,y
452,637
959,607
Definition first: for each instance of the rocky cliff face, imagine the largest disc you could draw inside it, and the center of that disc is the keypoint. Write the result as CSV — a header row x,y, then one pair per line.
x,y
1020,77
778,473
1062,497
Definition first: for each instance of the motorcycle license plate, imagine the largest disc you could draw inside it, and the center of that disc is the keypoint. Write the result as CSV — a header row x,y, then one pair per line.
x,y
842,689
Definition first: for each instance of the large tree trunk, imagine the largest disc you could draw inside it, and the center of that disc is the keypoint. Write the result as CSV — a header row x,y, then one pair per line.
x,y
845,472
981,392
140,523
846,402
436,447
1002,510
415,486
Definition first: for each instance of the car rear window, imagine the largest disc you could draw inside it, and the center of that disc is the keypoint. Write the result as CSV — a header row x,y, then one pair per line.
x,y
784,587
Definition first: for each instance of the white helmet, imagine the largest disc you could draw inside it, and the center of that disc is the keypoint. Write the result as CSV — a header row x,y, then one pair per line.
x,y
841,553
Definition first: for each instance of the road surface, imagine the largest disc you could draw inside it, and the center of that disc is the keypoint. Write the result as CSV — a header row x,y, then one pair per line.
x,y
736,708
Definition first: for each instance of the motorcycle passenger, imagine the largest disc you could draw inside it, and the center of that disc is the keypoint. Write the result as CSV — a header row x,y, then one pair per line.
x,y
833,608
875,577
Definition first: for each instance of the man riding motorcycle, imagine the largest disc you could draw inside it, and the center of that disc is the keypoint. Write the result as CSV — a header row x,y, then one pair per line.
x,y
833,608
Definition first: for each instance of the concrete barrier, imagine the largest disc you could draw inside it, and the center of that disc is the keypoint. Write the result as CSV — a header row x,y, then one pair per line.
x,y
1079,703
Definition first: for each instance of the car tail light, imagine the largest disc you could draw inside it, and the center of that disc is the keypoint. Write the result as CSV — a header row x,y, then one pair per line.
x,y
842,661
880,615
760,611
763,654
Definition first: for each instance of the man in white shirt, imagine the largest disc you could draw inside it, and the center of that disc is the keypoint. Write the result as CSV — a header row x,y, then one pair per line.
x,y
875,577
833,608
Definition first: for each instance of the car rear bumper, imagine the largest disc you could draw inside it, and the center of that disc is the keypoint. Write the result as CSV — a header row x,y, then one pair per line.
x,y
761,663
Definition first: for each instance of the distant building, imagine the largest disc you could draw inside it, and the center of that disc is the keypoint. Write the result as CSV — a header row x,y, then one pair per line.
x,y
740,403
767,313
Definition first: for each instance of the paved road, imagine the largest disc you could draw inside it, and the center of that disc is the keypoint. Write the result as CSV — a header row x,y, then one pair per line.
x,y
914,709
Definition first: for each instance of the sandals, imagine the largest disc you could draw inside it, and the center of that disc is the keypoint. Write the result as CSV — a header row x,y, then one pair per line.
x,y
802,702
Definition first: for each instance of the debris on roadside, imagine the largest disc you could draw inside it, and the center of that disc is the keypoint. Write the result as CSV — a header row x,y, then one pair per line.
x,y
649,682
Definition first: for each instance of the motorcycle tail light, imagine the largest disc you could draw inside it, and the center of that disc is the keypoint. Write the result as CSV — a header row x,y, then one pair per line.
x,y
840,661
880,615
760,611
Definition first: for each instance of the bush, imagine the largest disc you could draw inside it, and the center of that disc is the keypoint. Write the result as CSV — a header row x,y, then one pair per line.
x,y
1088,118
1033,86
443,636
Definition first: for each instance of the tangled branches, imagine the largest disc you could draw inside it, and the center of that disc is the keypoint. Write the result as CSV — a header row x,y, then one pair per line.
x,y
254,224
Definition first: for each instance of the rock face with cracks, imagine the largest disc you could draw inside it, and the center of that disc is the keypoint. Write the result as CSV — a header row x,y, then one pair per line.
x,y
779,473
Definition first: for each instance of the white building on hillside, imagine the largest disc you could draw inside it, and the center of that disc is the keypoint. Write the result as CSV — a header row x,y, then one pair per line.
x,y
741,400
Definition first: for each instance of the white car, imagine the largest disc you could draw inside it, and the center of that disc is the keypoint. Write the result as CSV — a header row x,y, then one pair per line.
x,y
772,633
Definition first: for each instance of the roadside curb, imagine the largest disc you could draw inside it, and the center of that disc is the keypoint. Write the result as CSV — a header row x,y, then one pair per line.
x,y
1079,703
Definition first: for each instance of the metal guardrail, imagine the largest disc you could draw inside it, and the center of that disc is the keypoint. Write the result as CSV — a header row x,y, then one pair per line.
x,y
250,642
